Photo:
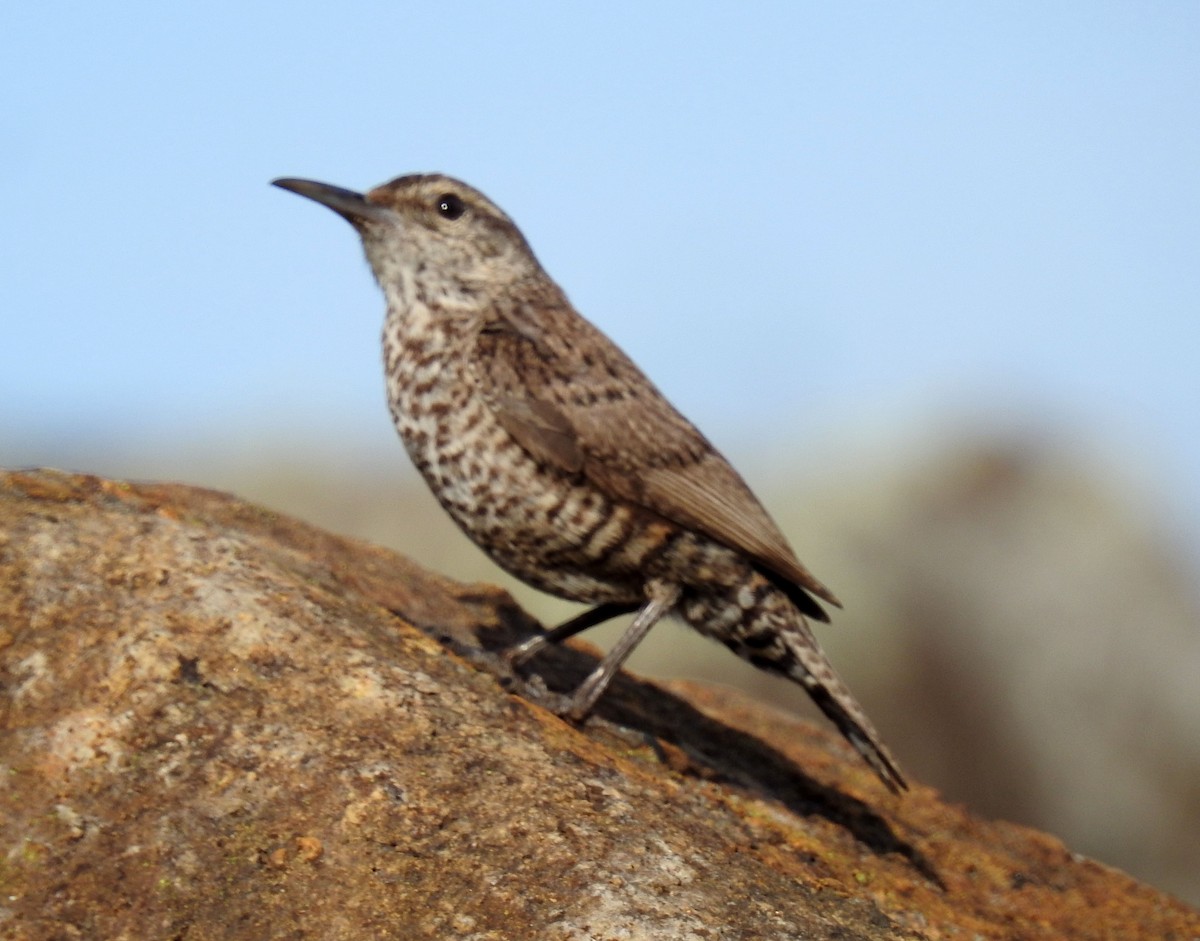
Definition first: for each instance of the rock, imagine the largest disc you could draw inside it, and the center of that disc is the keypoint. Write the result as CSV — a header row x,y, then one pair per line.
x,y
219,722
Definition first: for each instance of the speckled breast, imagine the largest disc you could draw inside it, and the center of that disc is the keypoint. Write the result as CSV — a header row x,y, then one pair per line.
x,y
557,533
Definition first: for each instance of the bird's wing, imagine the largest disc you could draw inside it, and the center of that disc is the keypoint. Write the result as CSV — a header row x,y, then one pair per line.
x,y
572,399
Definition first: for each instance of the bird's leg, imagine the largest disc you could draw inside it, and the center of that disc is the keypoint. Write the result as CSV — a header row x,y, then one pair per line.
x,y
521,652
662,598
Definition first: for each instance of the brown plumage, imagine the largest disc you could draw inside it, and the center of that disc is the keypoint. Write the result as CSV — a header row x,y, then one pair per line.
x,y
594,413
559,458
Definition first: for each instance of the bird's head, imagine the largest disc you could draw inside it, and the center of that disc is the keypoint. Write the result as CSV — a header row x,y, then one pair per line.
x,y
429,235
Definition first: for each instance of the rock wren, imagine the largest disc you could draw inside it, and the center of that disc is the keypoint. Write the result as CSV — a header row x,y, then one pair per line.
x,y
562,461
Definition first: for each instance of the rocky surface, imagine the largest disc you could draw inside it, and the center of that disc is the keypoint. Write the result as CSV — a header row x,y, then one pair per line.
x,y
222,723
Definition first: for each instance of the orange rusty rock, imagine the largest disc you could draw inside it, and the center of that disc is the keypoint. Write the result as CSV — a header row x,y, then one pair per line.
x,y
188,682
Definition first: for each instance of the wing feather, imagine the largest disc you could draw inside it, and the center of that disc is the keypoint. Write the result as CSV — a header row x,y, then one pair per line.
x,y
572,399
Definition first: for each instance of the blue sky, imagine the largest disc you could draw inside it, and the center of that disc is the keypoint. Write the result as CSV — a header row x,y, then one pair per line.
x,y
797,217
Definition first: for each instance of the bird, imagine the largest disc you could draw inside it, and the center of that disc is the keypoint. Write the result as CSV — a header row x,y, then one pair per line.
x,y
559,458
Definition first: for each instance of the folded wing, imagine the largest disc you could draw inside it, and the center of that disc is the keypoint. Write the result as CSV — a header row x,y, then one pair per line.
x,y
584,407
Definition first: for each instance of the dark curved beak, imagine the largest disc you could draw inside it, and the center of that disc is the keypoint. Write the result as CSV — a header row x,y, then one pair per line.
x,y
348,204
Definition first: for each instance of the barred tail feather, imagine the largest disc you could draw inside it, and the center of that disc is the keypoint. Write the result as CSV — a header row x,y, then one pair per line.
x,y
842,710
759,622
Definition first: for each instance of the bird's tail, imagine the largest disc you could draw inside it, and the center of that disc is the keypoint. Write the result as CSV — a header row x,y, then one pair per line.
x,y
812,670
759,623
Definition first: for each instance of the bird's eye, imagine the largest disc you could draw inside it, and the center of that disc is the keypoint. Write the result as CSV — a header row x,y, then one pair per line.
x,y
450,206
